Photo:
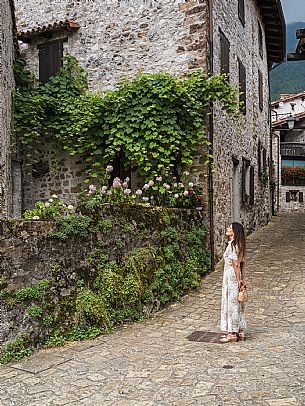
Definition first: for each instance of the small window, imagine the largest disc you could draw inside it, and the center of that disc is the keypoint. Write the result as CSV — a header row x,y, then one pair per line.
x,y
241,11
242,87
260,91
50,59
260,40
224,54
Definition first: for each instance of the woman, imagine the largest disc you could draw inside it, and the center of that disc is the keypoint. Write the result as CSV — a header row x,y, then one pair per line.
x,y
232,312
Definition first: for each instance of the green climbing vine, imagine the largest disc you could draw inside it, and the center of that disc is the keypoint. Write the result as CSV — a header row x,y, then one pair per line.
x,y
154,121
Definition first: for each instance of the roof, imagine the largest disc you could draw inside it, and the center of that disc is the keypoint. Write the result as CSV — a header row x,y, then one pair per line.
x,y
282,121
275,29
288,98
69,25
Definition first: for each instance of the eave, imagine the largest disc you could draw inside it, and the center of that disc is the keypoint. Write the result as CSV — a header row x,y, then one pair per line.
x,y
275,29
47,30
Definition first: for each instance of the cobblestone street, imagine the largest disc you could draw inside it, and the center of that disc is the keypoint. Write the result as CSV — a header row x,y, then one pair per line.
x,y
153,364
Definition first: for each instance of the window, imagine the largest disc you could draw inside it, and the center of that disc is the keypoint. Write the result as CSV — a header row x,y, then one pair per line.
x,y
261,159
260,91
241,11
224,54
242,87
50,59
294,196
292,163
260,40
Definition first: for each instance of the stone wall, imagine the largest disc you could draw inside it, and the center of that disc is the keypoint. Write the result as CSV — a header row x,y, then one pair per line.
x,y
115,39
240,140
153,256
6,88
119,38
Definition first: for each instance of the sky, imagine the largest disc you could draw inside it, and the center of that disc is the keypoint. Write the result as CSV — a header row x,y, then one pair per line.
x,y
294,10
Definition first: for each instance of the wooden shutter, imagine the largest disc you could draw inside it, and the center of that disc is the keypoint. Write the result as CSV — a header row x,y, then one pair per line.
x,y
224,54
243,182
44,63
50,59
241,11
251,185
301,197
260,91
242,86
287,196
264,159
260,40
259,163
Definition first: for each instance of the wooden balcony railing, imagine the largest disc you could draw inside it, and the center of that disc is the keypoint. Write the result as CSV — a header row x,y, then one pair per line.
x,y
293,181
293,149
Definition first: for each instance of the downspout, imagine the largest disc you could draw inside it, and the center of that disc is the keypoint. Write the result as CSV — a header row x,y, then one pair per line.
x,y
271,155
211,146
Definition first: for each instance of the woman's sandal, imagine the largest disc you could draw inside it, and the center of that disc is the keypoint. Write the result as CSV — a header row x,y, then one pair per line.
x,y
229,338
241,336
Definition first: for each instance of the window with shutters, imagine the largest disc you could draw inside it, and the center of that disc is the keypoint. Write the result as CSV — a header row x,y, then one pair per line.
x,y
242,87
241,11
50,59
224,54
260,40
260,90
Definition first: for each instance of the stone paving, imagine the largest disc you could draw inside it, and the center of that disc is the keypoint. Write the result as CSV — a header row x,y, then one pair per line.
x,y
153,364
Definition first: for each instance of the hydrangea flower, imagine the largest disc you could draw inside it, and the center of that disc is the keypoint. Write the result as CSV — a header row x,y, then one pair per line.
x,y
159,178
109,192
116,182
109,168
54,196
70,207
146,186
176,195
51,200
139,192
186,193
145,199
36,218
47,204
191,184
127,191
180,184
125,184
166,185
151,183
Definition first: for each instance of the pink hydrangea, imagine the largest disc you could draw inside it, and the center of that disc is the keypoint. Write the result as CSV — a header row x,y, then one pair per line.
x,y
109,168
127,191
139,192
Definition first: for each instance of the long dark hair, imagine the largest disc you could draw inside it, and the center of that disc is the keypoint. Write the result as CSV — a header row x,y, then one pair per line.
x,y
239,240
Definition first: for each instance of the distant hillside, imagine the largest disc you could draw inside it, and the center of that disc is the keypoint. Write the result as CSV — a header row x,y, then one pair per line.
x,y
289,77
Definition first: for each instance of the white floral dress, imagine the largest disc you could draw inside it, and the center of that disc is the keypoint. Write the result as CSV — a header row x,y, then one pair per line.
x,y
232,312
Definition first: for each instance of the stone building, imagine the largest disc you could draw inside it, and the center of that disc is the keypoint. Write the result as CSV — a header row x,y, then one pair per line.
x,y
6,88
112,39
288,124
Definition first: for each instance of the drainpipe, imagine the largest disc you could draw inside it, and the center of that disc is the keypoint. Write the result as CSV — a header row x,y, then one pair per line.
x,y
211,131
271,155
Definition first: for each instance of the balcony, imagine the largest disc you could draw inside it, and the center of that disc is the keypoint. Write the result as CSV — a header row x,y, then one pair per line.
x,y
296,149
293,181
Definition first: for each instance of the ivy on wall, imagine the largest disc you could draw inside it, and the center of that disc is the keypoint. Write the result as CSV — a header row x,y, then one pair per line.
x,y
154,121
